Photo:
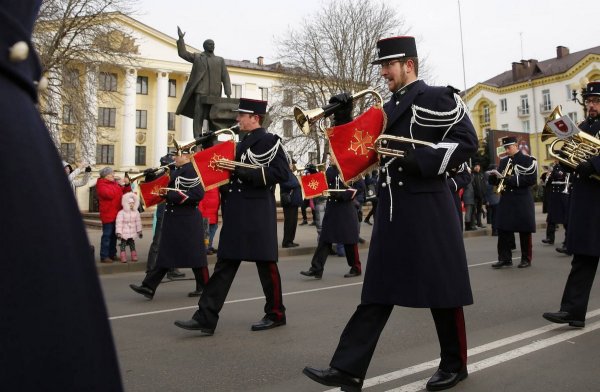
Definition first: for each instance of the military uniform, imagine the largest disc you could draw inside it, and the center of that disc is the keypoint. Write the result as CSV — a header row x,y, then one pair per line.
x,y
583,237
249,231
516,209
55,329
558,200
340,226
457,179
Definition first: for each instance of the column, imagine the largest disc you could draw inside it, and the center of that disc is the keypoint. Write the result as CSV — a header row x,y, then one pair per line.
x,y
160,117
89,137
187,124
128,131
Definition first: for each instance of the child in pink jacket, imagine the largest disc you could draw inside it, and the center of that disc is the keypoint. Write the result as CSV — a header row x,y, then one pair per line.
x,y
129,225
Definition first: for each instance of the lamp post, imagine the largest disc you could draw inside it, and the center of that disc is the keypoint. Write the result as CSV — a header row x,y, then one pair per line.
x,y
583,85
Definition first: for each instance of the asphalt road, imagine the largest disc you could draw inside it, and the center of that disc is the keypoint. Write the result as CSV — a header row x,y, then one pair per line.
x,y
511,347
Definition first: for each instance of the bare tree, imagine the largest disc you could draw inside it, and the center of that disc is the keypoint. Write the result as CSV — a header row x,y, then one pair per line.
x,y
330,53
74,39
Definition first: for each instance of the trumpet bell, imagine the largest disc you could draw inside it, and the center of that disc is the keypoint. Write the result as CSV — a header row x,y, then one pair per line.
x,y
305,118
555,115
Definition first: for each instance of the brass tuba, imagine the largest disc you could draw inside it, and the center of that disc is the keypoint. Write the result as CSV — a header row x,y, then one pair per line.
x,y
306,118
574,149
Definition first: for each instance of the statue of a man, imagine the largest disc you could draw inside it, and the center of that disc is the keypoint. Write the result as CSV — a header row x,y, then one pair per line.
x,y
208,72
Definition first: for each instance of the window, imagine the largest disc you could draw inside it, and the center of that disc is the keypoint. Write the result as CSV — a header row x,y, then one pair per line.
x,y
486,114
526,127
236,90
105,154
503,105
68,117
171,121
504,127
288,98
524,108
107,81
264,93
140,155
288,126
172,88
573,117
106,117
67,152
141,119
142,85
569,92
312,157
546,101
71,77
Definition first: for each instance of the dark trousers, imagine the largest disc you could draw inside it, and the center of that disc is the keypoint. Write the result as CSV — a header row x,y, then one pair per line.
x,y
506,241
156,275
478,212
491,216
201,113
108,241
373,209
579,285
359,338
322,252
290,221
214,294
125,243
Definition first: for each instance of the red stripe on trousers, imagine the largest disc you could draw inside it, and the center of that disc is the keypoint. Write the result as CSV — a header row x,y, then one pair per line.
x,y
459,318
276,290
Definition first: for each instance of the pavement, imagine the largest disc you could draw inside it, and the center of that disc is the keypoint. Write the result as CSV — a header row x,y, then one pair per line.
x,y
306,237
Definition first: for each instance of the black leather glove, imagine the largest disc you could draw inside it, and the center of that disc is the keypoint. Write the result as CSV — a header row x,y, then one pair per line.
x,y
493,180
585,169
343,114
245,174
88,169
409,164
150,170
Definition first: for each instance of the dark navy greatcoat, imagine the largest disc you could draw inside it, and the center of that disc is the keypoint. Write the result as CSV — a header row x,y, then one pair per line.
x,y
516,210
417,256
583,236
55,328
182,233
458,179
249,230
558,200
340,222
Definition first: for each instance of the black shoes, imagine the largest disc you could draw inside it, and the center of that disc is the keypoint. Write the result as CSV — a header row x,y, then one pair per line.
x,y
290,245
368,223
267,323
563,250
548,241
352,273
145,291
361,240
470,228
524,264
193,325
175,274
334,378
195,293
444,380
501,264
303,223
313,274
564,318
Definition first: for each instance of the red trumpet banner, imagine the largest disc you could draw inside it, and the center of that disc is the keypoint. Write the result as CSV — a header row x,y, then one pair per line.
x,y
205,163
313,185
149,190
352,144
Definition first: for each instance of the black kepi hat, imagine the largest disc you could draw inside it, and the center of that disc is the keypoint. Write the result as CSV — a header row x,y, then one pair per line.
x,y
507,141
593,88
395,48
252,106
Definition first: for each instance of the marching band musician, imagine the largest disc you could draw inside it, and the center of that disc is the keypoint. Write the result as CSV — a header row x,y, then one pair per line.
x,y
558,202
182,232
248,200
340,226
583,237
413,198
55,328
516,210
457,179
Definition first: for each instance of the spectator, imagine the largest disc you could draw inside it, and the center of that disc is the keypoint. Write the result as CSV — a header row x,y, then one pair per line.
x,y
209,207
109,192
129,225
479,187
371,184
291,198
72,175
469,202
491,200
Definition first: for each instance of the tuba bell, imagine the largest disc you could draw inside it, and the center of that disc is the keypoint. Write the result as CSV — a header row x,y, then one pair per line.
x,y
306,118
574,149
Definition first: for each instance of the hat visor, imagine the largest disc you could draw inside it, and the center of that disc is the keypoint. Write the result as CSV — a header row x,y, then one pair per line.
x,y
388,58
243,111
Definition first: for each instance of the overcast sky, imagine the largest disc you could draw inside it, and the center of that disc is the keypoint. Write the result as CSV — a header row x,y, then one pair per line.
x,y
495,32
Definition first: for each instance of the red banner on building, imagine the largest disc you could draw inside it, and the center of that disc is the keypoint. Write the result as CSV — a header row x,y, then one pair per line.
x,y
313,185
352,144
205,163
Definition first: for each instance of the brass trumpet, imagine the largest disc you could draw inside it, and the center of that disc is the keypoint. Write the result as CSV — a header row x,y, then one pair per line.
x,y
381,145
507,172
306,118
182,146
132,179
575,149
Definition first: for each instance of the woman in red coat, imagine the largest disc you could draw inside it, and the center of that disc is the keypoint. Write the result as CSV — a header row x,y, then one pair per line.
x,y
209,207
109,193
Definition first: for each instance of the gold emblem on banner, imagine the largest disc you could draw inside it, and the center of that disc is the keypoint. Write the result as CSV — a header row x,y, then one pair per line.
x,y
361,143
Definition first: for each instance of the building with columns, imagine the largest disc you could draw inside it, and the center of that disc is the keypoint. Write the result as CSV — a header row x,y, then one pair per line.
x,y
130,122
520,99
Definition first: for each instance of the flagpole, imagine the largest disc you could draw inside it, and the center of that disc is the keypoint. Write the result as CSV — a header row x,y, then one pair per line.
x,y
462,48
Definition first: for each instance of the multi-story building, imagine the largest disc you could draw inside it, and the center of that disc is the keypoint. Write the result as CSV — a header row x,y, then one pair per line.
x,y
520,100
